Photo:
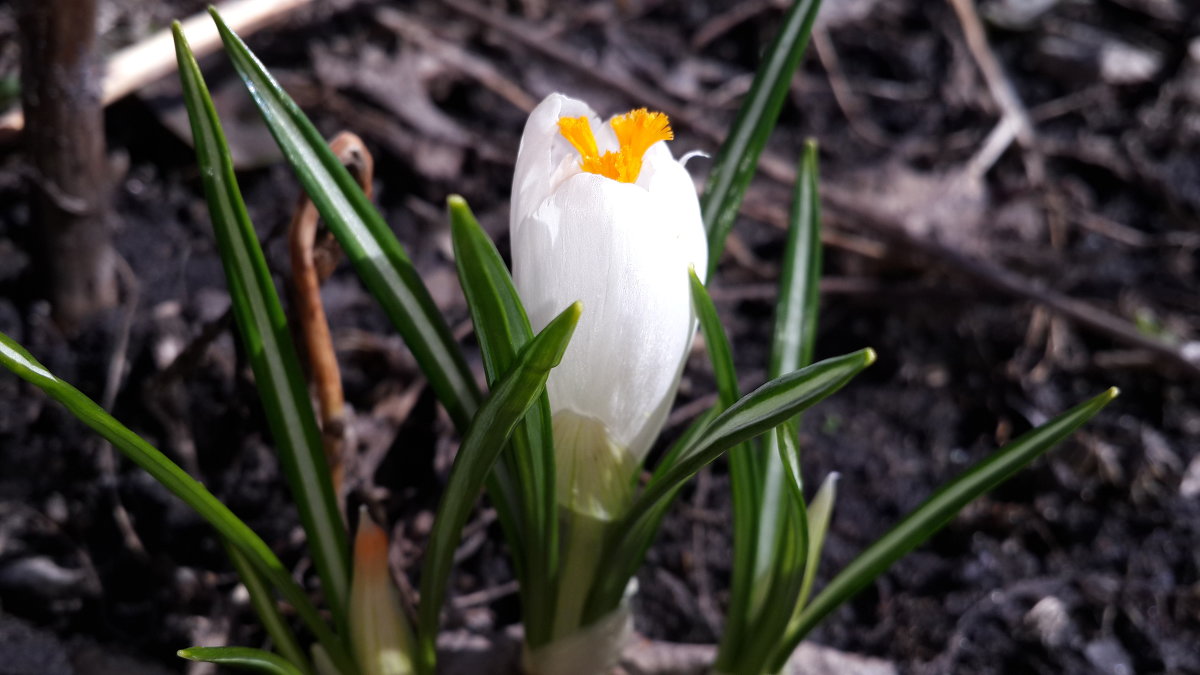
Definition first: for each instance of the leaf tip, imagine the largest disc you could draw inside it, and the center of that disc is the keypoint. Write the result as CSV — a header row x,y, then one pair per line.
x,y
569,317
222,28
187,654
558,333
181,43
575,311
1112,393
456,202
869,356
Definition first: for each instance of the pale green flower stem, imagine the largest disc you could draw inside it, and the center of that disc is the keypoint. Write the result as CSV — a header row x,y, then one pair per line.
x,y
594,486
583,535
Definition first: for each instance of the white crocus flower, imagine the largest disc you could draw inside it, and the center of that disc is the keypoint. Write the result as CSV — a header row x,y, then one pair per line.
x,y
603,213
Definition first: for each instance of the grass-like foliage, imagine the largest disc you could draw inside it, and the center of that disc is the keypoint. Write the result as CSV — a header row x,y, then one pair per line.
x,y
508,434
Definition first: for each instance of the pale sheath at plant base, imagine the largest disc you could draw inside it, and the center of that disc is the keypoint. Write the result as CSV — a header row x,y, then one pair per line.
x,y
382,640
603,213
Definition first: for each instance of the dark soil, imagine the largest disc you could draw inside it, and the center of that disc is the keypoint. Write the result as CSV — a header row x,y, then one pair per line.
x,y
1088,562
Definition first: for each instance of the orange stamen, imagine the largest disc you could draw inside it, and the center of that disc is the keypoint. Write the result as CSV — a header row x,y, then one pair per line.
x,y
578,131
636,131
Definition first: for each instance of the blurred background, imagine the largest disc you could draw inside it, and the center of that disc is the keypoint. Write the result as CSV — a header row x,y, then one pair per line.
x,y
1011,198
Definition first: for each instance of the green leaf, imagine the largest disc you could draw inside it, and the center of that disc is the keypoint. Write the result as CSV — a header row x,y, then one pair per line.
x,y
376,255
242,658
486,436
762,410
792,343
264,605
795,332
743,475
939,509
14,357
759,411
738,158
268,343
716,342
788,569
791,348
685,441
522,485
819,513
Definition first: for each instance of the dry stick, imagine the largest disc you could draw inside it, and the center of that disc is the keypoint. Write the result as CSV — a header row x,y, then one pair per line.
x,y
161,396
312,263
1016,122
849,103
486,596
536,41
840,202
112,386
140,64
409,28
66,160
996,277
726,21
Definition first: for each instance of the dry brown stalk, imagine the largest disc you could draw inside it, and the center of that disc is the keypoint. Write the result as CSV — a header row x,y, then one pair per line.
x,y
315,254
66,160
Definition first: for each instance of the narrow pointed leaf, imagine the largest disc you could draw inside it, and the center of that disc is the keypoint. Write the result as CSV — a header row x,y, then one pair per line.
x,y
522,485
794,337
486,436
939,509
377,256
779,593
685,441
756,413
716,341
792,348
792,343
242,658
760,411
268,343
744,481
321,661
738,158
14,357
264,605
819,513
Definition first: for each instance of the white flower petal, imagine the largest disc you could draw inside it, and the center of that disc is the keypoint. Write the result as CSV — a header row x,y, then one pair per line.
x,y
671,186
545,158
616,247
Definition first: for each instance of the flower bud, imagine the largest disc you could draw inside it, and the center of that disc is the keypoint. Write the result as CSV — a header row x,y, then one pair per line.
x,y
603,213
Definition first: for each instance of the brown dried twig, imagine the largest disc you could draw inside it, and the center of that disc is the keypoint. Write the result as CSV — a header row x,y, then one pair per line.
x,y
1015,123
412,30
314,255
140,64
